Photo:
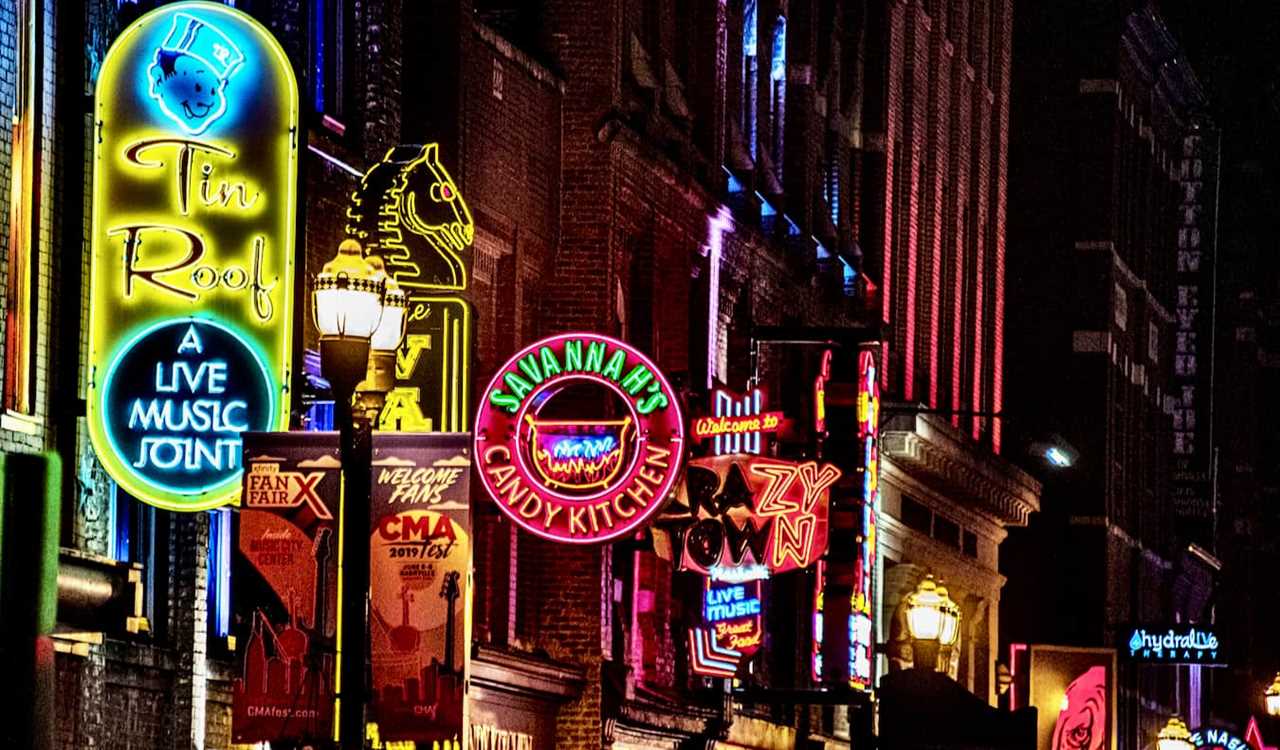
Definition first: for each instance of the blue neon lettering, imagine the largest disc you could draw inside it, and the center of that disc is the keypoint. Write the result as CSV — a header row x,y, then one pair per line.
x,y
201,415
226,416
730,602
191,340
586,447
190,454
211,375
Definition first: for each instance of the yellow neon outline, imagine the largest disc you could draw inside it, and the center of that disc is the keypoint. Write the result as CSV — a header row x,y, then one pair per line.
x,y
454,359
395,218
105,337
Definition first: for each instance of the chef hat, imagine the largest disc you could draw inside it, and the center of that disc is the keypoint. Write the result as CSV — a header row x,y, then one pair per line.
x,y
196,38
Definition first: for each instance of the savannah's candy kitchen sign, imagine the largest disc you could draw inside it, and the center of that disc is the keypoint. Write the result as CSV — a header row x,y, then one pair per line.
x,y
195,153
579,438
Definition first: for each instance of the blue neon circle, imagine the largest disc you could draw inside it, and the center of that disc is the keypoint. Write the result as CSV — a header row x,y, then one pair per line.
x,y
132,377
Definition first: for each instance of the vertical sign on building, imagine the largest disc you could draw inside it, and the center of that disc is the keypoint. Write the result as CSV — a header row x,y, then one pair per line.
x,y
419,634
193,228
289,538
408,211
862,611
862,604
1190,401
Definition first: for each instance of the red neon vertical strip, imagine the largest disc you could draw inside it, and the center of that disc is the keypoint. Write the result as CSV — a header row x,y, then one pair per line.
x,y
1014,650
997,331
957,322
909,323
935,303
979,305
886,273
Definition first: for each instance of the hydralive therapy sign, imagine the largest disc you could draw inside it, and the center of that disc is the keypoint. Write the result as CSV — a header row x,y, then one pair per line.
x,y
1174,644
193,230
579,438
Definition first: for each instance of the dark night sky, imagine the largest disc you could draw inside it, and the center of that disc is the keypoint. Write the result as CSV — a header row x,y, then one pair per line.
x,y
1232,46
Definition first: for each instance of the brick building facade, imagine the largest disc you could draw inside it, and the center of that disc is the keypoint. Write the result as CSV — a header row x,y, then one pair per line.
x,y
675,174
1103,342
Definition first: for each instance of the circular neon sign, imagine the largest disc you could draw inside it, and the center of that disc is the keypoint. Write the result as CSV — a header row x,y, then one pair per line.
x,y
176,399
579,438
1214,738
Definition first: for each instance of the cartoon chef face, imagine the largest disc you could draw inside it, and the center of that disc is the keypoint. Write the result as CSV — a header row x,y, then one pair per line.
x,y
189,75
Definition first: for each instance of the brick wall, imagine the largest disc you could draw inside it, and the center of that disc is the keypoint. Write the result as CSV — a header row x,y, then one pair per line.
x,y
36,434
939,234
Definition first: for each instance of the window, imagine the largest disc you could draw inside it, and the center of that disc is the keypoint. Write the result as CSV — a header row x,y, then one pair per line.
x,y
331,42
831,182
142,536
778,94
946,531
916,515
750,76
24,210
970,548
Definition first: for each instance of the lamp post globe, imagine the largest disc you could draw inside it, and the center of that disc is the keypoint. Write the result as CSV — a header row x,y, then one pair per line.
x,y
949,633
924,611
1273,697
1174,736
380,379
347,304
387,336
933,623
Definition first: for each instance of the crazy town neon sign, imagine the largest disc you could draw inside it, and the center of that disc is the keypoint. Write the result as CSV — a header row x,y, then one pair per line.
x,y
580,438
740,510
193,231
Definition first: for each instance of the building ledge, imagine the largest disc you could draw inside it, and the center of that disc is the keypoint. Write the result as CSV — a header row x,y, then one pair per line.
x,y
936,454
520,673
648,717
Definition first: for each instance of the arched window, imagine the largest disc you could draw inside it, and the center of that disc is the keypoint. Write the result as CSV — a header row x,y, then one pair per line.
x,y
750,75
778,93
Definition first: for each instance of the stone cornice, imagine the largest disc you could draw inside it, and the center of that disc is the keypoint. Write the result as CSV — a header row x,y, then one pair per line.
x,y
942,459
518,673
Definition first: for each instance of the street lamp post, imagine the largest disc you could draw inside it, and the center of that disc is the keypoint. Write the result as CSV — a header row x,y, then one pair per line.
x,y
1174,736
1273,697
933,622
350,305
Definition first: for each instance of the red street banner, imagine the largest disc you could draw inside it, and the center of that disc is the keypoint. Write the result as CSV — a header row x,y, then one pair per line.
x,y
289,540
419,575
